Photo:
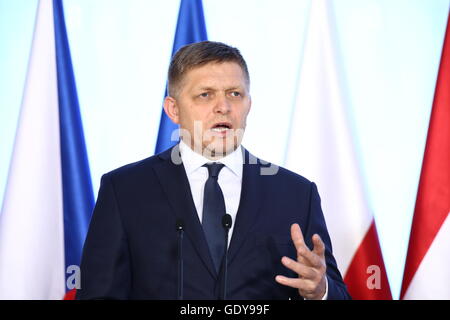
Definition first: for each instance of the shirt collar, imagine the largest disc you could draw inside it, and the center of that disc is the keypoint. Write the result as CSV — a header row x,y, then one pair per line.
x,y
193,160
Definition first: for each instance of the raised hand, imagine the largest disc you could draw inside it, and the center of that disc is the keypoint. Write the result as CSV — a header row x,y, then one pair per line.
x,y
310,266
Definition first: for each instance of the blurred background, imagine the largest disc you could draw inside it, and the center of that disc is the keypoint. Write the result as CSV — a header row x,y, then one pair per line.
x,y
389,50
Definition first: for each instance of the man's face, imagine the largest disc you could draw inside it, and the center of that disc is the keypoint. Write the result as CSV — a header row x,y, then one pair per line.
x,y
211,106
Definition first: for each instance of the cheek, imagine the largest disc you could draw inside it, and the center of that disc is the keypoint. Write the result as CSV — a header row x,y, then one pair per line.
x,y
194,120
186,115
242,116
195,113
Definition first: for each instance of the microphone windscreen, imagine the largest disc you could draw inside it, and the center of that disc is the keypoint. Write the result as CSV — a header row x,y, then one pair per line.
x,y
227,221
179,224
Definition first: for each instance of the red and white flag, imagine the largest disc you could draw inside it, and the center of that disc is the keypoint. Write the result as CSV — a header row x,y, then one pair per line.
x,y
321,148
427,272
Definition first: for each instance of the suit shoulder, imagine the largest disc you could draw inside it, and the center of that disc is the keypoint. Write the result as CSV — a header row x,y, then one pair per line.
x,y
281,174
288,174
135,169
274,171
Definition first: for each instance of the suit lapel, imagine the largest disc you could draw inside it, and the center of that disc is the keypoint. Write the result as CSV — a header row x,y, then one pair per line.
x,y
251,195
176,186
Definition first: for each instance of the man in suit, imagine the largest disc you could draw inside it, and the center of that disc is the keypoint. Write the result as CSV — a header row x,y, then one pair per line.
x,y
279,247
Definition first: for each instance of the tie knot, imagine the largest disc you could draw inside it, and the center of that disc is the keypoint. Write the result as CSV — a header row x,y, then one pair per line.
x,y
214,168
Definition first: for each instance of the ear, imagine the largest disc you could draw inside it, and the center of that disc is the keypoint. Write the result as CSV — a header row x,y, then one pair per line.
x,y
171,109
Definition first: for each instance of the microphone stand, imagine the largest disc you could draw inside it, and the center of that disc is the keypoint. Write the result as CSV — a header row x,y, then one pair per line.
x,y
180,231
226,223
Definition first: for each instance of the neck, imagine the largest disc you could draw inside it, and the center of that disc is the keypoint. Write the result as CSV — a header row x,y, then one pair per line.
x,y
209,154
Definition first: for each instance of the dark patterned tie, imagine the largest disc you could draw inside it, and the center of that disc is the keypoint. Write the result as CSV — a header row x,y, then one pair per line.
x,y
213,211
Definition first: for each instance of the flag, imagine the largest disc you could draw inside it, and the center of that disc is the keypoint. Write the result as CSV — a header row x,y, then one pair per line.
x,y
48,199
321,147
191,28
427,273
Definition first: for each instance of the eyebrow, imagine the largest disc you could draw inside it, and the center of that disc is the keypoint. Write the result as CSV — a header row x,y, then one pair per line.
x,y
236,88
206,89
214,89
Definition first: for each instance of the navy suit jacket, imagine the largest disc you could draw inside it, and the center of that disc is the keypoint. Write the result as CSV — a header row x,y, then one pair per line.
x,y
131,247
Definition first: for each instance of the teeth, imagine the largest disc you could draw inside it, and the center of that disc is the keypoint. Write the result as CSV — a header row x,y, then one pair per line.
x,y
219,129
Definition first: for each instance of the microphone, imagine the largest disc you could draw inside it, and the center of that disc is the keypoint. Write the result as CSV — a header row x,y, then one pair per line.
x,y
227,222
180,231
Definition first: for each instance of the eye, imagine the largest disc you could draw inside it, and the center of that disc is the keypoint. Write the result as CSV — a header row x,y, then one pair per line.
x,y
235,94
204,95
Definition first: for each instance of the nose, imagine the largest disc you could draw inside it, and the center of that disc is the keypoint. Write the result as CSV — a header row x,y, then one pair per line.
x,y
222,105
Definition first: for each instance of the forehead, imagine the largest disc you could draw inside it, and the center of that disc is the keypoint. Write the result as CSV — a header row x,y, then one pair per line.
x,y
215,75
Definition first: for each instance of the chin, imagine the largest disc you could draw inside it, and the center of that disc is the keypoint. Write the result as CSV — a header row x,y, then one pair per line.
x,y
219,148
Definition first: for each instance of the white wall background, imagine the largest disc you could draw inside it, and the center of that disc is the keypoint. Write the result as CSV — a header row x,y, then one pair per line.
x,y
121,49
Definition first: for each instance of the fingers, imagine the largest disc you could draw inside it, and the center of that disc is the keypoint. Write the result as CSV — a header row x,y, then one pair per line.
x,y
297,237
304,255
299,243
319,246
290,282
310,266
302,270
310,283
309,258
306,288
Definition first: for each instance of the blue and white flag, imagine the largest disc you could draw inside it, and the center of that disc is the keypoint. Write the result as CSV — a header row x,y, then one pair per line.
x,y
48,200
191,28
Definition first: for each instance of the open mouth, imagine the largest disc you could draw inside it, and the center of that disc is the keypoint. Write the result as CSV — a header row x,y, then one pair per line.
x,y
221,127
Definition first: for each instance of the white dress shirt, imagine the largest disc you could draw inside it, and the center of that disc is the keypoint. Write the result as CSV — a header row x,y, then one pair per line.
x,y
230,179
